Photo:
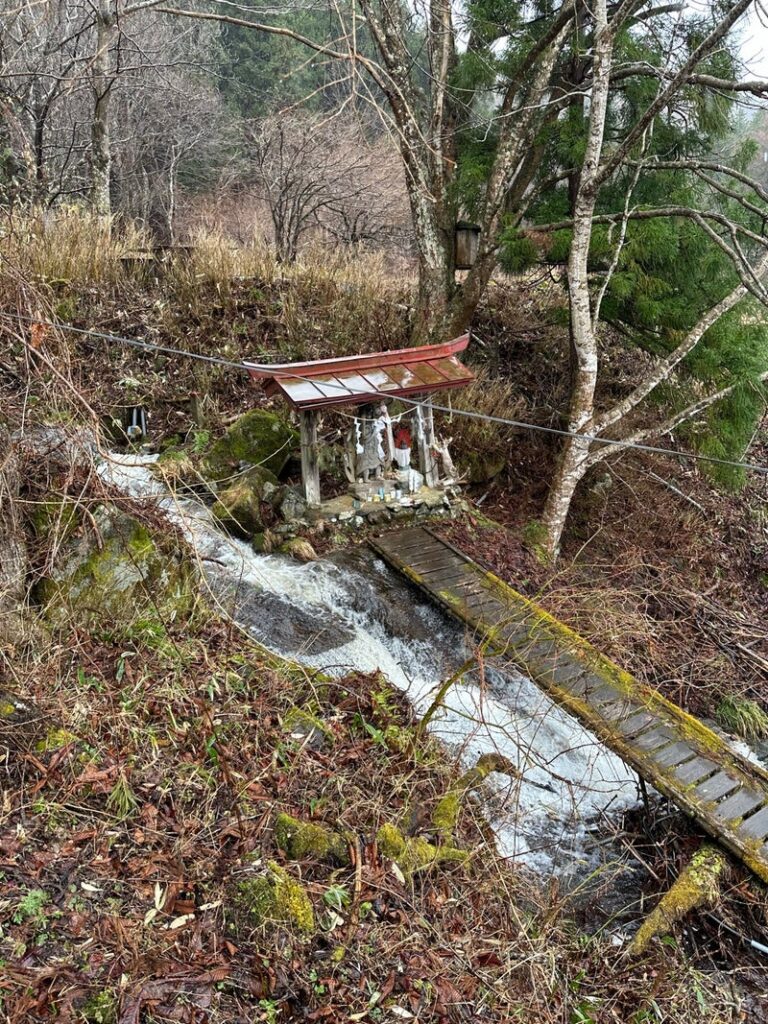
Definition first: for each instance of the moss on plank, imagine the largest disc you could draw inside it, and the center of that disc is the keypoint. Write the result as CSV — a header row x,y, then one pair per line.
x,y
535,626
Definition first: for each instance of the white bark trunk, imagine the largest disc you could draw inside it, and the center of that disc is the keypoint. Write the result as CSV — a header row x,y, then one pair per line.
x,y
573,459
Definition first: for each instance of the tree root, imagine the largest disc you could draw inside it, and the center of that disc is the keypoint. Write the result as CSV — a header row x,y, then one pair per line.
x,y
697,885
446,813
415,853
299,839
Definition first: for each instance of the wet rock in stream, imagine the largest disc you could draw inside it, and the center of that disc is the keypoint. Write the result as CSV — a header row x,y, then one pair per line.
x,y
275,621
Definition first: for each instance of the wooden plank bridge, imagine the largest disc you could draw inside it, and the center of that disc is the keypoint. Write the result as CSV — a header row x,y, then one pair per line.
x,y
726,794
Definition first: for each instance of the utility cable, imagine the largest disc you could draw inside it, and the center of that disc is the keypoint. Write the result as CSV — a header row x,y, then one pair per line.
x,y
281,371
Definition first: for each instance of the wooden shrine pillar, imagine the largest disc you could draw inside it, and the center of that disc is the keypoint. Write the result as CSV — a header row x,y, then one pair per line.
x,y
390,440
425,434
310,465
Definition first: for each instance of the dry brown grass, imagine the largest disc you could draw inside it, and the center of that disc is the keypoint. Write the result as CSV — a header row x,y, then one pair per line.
x,y
489,395
67,246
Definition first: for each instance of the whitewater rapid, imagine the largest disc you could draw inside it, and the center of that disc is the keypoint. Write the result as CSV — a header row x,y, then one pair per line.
x,y
351,612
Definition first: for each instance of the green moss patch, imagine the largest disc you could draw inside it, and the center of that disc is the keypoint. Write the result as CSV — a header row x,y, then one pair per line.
x,y
276,898
238,507
54,516
55,739
698,885
413,854
299,839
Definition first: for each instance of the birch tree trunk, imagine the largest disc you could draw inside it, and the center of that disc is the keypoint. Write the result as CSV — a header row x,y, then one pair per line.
x,y
573,462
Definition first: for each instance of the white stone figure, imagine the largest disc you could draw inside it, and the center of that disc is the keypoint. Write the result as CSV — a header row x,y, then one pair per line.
x,y
440,448
372,460
415,481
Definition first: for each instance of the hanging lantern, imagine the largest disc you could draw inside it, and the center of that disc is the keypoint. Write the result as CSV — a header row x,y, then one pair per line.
x,y
467,243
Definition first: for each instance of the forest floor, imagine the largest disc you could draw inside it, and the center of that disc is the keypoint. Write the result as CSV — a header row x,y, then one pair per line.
x,y
122,850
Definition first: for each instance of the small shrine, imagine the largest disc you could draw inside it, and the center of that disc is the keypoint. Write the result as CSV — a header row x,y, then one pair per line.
x,y
388,456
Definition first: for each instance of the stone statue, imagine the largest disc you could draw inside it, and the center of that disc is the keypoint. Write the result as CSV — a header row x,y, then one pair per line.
x,y
440,448
370,449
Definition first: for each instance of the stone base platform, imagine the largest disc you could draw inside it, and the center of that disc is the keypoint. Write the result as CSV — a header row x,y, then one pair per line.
x,y
346,508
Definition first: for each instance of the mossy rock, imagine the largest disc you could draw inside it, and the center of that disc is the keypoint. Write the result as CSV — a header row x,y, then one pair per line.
x,y
483,467
176,467
290,504
298,548
124,574
300,839
259,438
263,542
55,516
238,508
276,898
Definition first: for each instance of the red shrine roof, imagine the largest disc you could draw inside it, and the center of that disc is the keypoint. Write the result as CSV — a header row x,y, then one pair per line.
x,y
353,380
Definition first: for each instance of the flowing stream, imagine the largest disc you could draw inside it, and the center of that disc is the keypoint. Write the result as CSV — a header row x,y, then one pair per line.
x,y
351,612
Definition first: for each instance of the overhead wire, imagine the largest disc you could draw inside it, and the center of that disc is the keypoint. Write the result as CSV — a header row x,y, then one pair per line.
x,y
283,370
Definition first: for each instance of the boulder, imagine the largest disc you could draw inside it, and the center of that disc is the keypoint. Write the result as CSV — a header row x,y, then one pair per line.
x,y
298,548
263,543
176,468
116,574
259,438
482,467
289,503
238,507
